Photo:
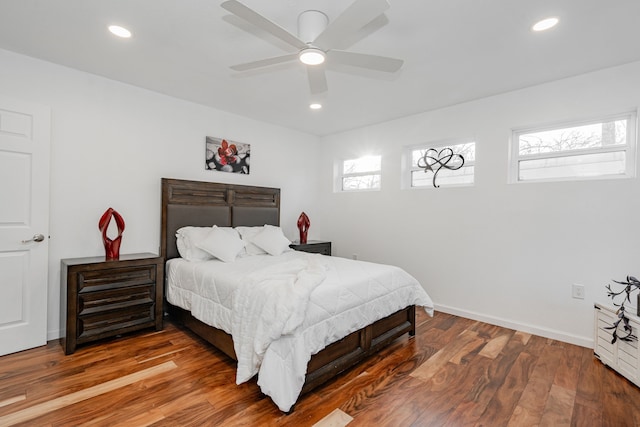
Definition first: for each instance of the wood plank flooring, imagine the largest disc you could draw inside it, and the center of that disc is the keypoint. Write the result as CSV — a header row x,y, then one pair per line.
x,y
454,372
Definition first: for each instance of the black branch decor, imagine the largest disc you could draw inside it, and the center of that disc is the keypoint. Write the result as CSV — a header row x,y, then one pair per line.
x,y
630,285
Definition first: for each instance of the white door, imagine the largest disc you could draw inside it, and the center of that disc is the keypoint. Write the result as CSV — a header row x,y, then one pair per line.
x,y
24,224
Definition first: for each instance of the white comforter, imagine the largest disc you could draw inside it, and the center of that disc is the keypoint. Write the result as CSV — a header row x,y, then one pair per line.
x,y
303,303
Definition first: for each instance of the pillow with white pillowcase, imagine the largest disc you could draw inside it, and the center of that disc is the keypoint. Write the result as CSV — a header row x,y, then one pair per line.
x,y
223,243
272,240
186,240
247,234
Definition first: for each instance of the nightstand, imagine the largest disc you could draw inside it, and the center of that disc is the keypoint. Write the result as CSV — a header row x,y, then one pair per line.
x,y
108,298
622,356
313,246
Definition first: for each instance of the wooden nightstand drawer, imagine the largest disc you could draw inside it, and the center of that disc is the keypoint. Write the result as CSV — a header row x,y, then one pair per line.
x,y
115,299
107,298
105,323
313,246
110,278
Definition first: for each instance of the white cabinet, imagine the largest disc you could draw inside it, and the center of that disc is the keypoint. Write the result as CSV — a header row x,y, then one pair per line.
x,y
622,356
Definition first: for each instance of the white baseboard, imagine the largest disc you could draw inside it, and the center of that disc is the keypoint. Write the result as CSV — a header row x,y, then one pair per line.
x,y
54,335
535,330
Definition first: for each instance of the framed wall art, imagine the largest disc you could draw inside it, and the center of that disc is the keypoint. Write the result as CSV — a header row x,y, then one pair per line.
x,y
225,155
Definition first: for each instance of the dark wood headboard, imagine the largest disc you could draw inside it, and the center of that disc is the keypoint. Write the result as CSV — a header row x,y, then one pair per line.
x,y
204,204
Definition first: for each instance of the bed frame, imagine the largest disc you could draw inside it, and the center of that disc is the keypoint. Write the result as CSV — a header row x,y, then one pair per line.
x,y
205,204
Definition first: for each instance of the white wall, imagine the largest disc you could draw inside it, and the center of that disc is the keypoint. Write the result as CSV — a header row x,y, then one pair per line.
x,y
503,253
111,143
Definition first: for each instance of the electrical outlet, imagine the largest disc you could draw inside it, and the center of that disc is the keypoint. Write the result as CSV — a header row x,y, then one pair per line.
x,y
577,291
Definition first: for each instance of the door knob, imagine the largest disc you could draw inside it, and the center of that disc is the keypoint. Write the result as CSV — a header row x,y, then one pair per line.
x,y
35,238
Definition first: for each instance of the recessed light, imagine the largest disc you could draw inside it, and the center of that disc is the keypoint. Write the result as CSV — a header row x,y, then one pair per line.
x,y
311,56
545,24
315,106
120,31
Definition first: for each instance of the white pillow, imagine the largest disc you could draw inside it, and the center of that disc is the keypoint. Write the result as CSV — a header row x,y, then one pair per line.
x,y
272,240
247,234
186,240
222,243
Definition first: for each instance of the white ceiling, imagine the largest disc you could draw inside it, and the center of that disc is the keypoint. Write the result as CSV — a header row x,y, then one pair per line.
x,y
454,51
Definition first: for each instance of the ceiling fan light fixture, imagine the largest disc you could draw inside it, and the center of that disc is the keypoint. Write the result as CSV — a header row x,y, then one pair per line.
x,y
311,56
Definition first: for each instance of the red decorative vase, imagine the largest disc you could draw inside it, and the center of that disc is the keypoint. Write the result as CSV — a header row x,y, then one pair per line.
x,y
111,246
303,225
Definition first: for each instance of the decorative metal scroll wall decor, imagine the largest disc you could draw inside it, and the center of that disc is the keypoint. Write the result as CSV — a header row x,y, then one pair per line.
x,y
434,161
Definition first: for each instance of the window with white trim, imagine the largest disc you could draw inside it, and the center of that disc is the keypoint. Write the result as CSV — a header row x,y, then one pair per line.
x,y
359,174
600,148
415,175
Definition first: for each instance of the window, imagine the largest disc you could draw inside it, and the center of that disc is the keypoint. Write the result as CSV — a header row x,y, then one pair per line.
x,y
360,174
416,177
579,150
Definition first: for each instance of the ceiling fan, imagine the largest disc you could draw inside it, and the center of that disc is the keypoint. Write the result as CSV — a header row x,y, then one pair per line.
x,y
318,40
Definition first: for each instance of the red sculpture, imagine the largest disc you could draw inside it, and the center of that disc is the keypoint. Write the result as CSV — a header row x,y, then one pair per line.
x,y
303,225
111,247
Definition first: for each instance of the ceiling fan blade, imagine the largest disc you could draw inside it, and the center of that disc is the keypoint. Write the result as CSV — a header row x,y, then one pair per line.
x,y
317,79
254,18
356,16
363,60
264,62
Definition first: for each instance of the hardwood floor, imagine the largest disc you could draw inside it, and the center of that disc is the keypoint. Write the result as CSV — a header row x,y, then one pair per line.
x,y
454,372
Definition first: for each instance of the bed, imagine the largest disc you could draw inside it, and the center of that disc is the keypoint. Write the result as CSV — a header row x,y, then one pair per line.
x,y
204,204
